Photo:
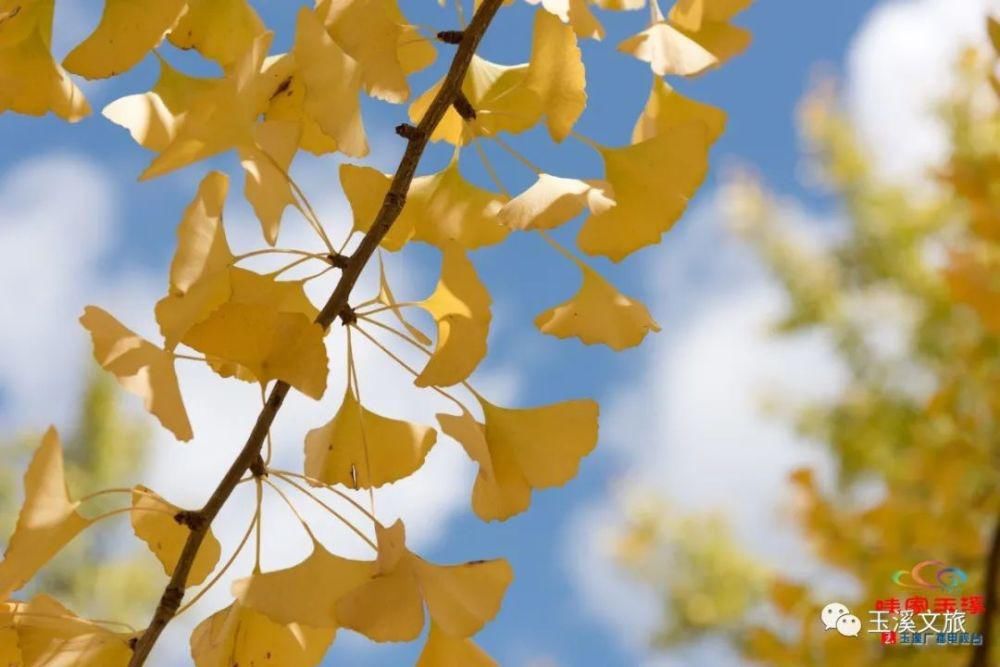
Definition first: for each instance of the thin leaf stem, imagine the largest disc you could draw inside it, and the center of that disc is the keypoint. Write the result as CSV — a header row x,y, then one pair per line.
x,y
344,520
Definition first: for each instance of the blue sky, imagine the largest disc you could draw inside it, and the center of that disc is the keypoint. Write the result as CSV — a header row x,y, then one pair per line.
x,y
109,240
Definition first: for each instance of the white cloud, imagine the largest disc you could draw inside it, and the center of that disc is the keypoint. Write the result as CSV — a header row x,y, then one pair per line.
x,y
56,216
901,63
55,258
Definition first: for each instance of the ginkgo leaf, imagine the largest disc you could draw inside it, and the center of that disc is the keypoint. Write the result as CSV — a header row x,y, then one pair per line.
x,y
220,115
389,606
202,275
667,109
365,188
50,635
722,40
10,651
442,650
361,449
668,50
598,313
152,117
652,182
440,208
178,313
269,344
128,30
577,14
202,246
444,207
690,14
154,522
140,368
386,298
500,96
332,84
267,187
287,103
32,82
557,74
460,304
552,201
238,635
306,592
221,30
376,34
522,449
48,519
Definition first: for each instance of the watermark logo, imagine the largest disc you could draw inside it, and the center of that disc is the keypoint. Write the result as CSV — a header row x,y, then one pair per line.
x,y
931,575
943,619
836,616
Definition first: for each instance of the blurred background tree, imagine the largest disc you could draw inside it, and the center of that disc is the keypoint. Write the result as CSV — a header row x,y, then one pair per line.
x,y
914,435
100,574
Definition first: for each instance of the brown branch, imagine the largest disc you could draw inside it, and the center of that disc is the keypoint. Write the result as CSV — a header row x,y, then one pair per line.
x,y
391,207
981,653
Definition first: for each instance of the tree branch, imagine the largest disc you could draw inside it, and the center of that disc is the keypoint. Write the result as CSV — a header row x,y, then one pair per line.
x,y
391,207
981,653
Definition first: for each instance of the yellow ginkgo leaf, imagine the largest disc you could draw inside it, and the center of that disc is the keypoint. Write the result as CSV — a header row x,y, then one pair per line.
x,y
10,650
287,103
221,30
332,84
557,74
202,246
152,118
140,367
389,606
361,449
577,14
365,189
50,635
522,449
691,14
721,39
376,34
177,313
653,182
219,115
269,344
48,519
385,297
460,304
127,32
267,187
667,109
440,208
238,635
552,201
500,96
444,208
442,650
32,82
598,313
668,50
154,522
305,593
